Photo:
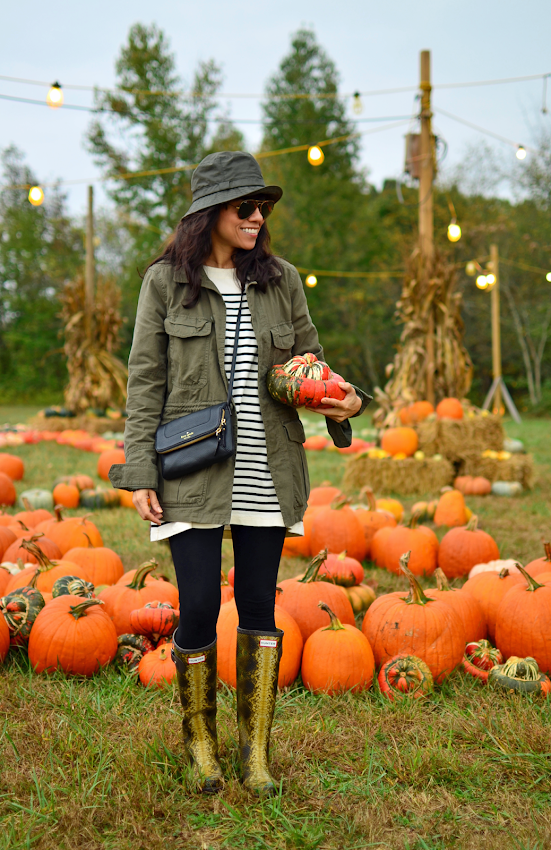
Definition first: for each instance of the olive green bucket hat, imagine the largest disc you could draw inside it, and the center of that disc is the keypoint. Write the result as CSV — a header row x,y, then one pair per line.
x,y
226,175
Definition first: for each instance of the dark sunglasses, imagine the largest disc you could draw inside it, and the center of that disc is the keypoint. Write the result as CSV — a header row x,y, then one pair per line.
x,y
247,208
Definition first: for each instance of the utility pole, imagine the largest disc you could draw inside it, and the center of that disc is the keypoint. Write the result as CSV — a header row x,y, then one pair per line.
x,y
90,270
496,329
426,218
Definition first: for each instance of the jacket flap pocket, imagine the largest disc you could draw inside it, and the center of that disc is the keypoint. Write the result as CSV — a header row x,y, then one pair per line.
x,y
283,335
187,326
295,430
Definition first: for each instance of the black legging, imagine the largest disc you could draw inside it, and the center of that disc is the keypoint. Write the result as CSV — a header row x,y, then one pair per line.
x,y
197,556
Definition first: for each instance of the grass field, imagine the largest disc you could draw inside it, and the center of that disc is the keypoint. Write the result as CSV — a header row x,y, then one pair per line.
x,y
99,764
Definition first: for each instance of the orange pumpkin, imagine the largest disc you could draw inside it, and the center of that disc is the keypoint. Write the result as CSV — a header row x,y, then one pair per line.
x,y
379,546
103,565
106,461
450,509
523,621
372,518
469,486
72,533
336,527
30,517
155,620
316,443
463,548
300,546
420,541
18,550
323,495
415,625
12,466
66,495
7,536
120,600
400,441
489,589
226,589
300,597
449,408
5,578
392,506
342,570
73,635
337,658
540,565
157,669
226,629
7,490
466,606
416,412
45,574
125,497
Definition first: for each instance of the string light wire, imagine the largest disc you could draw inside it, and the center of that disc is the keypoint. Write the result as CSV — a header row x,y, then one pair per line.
x,y
478,128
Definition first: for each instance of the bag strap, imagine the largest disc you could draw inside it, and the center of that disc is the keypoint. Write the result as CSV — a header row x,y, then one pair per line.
x,y
234,358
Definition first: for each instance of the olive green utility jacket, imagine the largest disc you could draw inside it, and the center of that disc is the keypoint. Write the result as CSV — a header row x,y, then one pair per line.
x,y
176,366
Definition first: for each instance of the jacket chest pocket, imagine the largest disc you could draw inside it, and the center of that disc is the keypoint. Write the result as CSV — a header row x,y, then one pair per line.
x,y
283,339
189,349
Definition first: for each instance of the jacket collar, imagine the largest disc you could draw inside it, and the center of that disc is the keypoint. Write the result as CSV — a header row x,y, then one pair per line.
x,y
179,276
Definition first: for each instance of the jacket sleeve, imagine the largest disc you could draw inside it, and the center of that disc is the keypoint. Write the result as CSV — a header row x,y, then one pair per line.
x,y
147,372
306,340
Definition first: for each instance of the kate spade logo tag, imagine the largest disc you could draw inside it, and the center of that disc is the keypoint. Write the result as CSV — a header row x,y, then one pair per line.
x,y
270,643
196,659
187,436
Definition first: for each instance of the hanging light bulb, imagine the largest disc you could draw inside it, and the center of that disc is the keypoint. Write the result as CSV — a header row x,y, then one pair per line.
x,y
482,281
315,155
357,105
311,280
36,196
471,268
454,231
54,98
521,152
548,277
490,279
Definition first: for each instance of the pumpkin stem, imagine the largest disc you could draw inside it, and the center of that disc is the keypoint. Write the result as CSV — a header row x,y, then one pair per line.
x,y
44,563
369,495
415,517
335,625
532,583
504,572
80,610
340,502
314,566
138,581
547,547
91,545
416,595
26,504
442,582
23,526
472,524
58,511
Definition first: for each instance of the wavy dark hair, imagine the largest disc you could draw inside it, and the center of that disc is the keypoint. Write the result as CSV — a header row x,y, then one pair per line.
x,y
191,244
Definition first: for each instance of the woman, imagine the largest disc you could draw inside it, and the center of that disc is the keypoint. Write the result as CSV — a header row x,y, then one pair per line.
x,y
180,362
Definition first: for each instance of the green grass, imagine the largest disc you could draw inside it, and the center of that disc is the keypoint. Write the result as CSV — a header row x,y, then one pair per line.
x,y
99,763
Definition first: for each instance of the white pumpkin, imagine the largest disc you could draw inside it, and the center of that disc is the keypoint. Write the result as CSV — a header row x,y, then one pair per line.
x,y
495,567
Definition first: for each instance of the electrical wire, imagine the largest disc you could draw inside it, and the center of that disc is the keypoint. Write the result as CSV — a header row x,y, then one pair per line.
x,y
523,266
290,96
480,129
327,273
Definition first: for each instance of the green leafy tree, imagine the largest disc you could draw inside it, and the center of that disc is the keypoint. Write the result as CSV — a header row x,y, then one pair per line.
x,y
40,248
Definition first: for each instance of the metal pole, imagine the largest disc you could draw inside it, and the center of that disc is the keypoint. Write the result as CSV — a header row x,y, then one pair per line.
x,y
496,329
426,218
90,271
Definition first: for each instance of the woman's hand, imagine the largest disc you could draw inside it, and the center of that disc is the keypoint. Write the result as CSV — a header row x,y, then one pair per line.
x,y
147,504
338,410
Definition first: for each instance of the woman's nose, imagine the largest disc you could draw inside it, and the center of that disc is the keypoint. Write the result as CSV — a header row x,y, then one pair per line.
x,y
256,216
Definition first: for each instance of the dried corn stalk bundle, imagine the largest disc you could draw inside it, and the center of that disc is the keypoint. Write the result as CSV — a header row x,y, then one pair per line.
x,y
96,377
426,294
95,425
455,438
516,468
404,477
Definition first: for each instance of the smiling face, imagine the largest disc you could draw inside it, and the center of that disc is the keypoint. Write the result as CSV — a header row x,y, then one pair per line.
x,y
231,232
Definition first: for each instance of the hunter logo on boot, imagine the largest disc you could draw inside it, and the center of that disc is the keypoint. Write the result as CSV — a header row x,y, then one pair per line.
x,y
196,659
271,643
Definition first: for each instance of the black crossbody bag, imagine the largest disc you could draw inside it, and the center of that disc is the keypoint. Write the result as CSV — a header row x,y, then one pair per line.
x,y
199,439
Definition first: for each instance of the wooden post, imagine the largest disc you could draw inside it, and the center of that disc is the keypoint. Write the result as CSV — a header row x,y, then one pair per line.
x,y
426,218
90,271
496,329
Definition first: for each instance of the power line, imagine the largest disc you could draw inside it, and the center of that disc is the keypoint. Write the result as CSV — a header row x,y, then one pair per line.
x,y
328,273
479,129
289,96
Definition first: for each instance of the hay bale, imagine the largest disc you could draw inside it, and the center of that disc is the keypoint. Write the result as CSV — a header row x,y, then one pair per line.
x,y
94,425
518,467
456,438
405,477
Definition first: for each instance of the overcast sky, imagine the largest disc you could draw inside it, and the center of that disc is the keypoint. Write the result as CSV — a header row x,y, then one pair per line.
x,y
374,46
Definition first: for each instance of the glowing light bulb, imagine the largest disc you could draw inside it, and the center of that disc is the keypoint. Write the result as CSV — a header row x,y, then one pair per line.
x,y
36,196
490,279
521,152
311,280
454,232
54,98
548,276
470,268
357,105
482,281
315,155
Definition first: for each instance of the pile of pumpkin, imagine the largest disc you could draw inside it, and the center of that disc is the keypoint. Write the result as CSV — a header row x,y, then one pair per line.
x,y
69,491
